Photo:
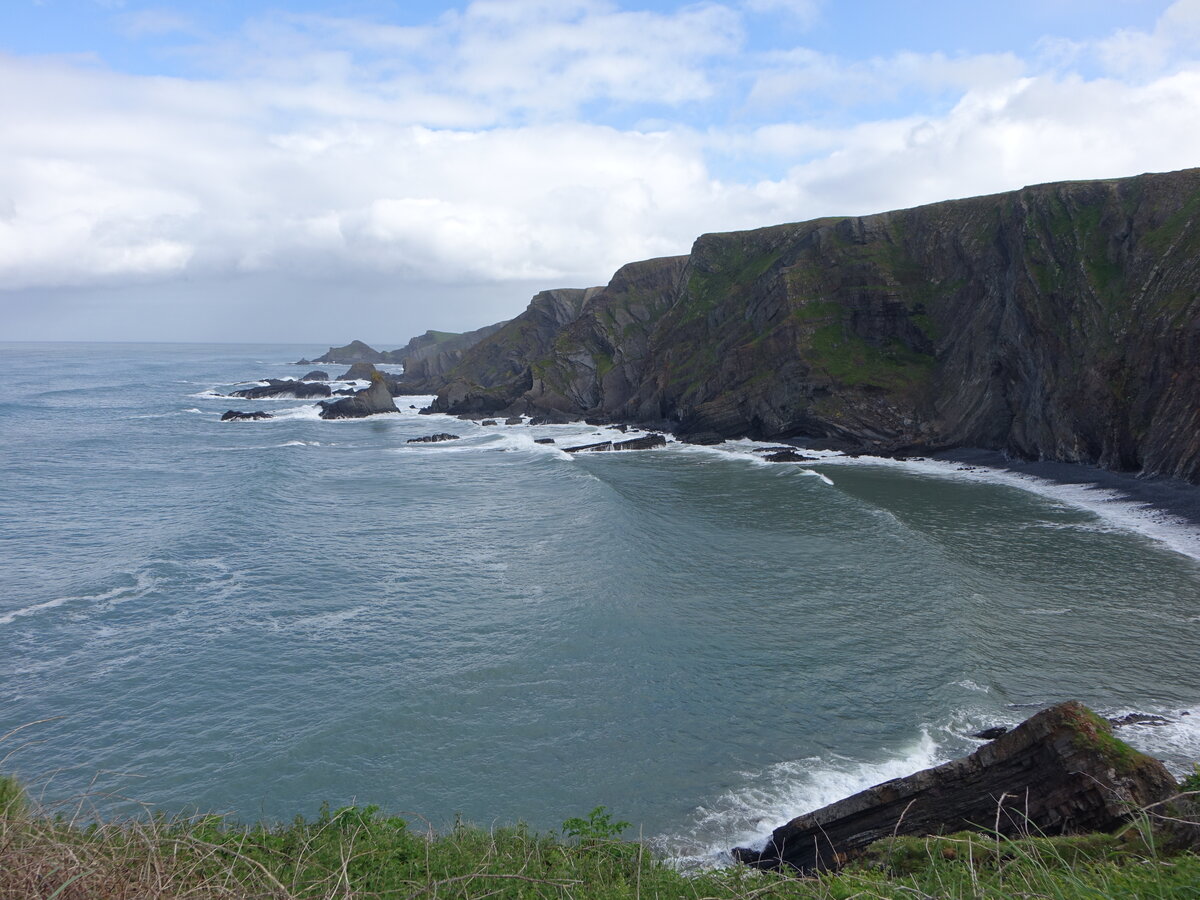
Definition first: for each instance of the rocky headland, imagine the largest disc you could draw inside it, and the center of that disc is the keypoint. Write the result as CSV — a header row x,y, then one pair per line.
x,y
1058,322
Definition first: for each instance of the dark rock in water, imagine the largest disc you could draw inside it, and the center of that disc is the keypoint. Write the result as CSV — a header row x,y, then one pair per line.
x,y
360,371
315,375
303,362
649,442
411,406
433,438
277,388
1059,772
590,448
1138,719
551,419
782,456
234,415
514,420
367,402
990,734
704,438
488,422
425,411
345,392
543,440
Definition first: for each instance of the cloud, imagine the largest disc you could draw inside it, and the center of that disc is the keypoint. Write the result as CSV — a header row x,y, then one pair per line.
x,y
154,22
804,12
468,151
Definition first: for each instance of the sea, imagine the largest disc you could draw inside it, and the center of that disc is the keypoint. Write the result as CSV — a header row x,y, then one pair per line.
x,y
254,618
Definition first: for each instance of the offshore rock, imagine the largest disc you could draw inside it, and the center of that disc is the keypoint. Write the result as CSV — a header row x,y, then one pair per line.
x,y
360,371
234,415
367,402
1059,772
649,442
787,456
315,375
990,734
433,438
1057,322
283,388
353,352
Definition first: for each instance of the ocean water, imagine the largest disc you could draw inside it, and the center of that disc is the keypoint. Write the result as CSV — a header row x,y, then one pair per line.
x,y
256,617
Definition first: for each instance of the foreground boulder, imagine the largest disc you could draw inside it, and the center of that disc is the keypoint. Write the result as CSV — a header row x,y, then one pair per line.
x,y
368,402
1059,772
234,415
283,388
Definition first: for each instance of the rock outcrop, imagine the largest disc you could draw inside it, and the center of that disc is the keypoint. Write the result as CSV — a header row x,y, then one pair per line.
x,y
367,402
649,442
275,387
353,352
360,371
1059,772
1060,321
433,438
234,415
315,375
428,357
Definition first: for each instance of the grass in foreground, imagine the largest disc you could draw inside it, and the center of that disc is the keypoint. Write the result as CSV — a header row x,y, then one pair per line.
x,y
357,852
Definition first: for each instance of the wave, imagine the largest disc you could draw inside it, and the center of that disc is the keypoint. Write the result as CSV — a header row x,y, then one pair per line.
x,y
746,815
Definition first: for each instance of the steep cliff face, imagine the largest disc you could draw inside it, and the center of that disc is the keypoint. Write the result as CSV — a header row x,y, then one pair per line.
x,y
1060,321
428,357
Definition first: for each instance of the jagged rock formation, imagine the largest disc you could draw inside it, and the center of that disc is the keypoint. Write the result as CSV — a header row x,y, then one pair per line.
x,y
367,402
1061,321
276,387
1059,772
360,371
234,415
428,357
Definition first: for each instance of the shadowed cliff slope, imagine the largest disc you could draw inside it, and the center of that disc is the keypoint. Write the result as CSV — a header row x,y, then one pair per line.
x,y
1061,321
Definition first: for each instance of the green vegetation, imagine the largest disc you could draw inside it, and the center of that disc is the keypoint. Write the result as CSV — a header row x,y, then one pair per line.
x,y
359,852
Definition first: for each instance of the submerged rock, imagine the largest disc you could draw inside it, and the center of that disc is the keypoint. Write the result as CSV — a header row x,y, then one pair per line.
x,y
233,415
1138,719
543,440
433,438
367,402
1059,772
990,734
282,388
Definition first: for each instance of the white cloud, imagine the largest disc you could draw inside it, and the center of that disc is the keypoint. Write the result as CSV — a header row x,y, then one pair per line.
x,y
457,153
804,12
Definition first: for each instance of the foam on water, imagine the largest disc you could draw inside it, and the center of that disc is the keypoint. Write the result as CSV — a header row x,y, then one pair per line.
x,y
746,815
143,583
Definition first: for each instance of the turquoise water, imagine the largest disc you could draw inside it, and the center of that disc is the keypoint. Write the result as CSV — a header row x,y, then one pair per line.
x,y
255,617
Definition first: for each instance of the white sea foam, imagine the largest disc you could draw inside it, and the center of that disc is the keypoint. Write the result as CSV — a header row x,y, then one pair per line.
x,y
1111,506
745,815
142,584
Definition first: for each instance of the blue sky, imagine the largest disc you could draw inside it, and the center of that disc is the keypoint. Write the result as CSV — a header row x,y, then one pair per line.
x,y
222,170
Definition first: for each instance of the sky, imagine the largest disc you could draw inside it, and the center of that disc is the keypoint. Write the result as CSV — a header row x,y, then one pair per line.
x,y
322,170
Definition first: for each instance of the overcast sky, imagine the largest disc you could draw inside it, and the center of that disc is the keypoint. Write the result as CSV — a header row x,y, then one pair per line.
x,y
317,170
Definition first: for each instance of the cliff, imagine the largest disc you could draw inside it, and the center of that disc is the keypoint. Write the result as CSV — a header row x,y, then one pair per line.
x,y
428,357
1060,321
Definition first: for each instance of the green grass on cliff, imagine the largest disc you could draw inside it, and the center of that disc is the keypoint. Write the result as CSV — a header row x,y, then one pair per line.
x,y
360,853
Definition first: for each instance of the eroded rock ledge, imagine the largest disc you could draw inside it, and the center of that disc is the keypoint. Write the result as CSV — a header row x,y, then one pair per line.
x,y
1061,771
